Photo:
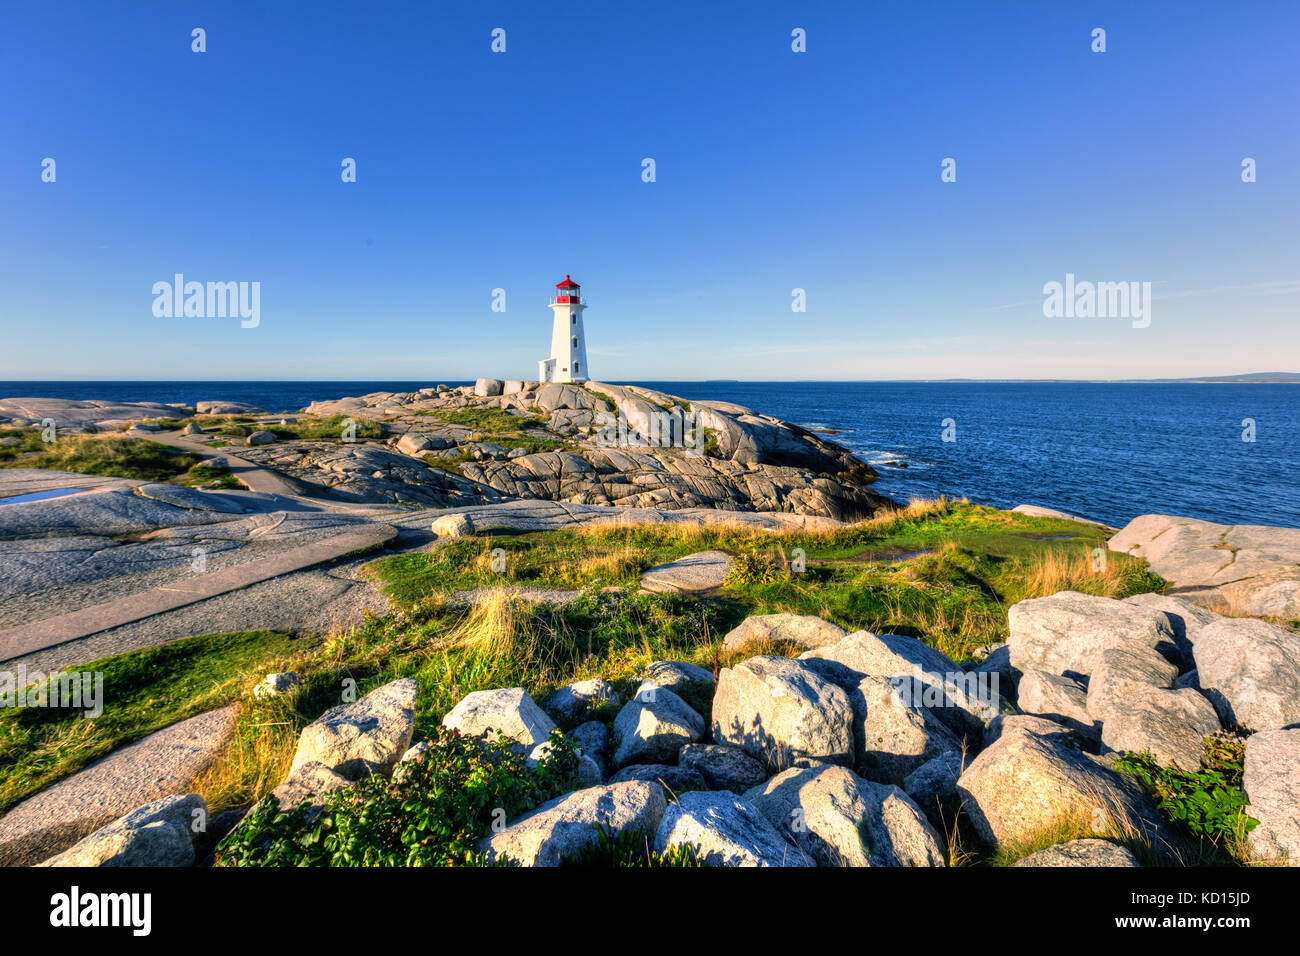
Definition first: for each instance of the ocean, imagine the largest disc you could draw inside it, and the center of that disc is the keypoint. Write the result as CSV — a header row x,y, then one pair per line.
x,y
1104,451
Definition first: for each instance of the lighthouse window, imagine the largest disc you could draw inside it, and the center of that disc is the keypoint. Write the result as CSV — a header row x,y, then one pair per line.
x,y
577,367
575,341
573,320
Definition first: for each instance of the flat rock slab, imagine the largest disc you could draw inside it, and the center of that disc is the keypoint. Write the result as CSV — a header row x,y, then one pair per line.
x,y
693,574
162,764
100,617
1037,511
1246,569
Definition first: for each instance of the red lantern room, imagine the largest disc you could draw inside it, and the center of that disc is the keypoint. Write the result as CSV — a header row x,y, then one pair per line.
x,y
567,291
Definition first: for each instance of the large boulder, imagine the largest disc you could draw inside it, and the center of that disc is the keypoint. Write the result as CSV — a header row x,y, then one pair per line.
x,y
674,779
1120,672
1028,784
690,682
154,844
486,387
365,737
412,443
964,701
508,710
723,768
1170,725
893,733
1082,853
779,711
1066,633
722,829
654,726
1056,697
158,834
802,630
933,787
310,781
1272,782
839,819
567,825
1187,619
1251,671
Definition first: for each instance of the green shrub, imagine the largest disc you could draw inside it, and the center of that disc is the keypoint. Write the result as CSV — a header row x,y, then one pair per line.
x,y
433,814
757,567
1208,802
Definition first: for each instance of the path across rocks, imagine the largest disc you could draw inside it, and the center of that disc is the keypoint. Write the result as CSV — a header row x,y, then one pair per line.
x,y
254,477
38,635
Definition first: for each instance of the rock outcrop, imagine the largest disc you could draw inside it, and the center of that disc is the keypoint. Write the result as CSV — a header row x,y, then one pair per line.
x,y
1251,670
613,450
567,825
362,738
1246,569
839,819
722,829
1272,782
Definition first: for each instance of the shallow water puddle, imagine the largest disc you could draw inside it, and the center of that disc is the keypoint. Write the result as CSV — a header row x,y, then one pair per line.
x,y
39,495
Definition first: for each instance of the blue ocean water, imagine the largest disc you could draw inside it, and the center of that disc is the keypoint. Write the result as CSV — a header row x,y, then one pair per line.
x,y
1107,451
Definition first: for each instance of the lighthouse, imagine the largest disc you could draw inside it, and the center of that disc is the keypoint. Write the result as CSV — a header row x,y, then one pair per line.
x,y
568,361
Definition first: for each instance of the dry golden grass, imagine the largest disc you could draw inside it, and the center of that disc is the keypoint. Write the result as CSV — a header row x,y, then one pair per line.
x,y
1056,570
257,758
614,562
1107,821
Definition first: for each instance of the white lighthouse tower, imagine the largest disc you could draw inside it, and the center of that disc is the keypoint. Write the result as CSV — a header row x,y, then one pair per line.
x,y
568,361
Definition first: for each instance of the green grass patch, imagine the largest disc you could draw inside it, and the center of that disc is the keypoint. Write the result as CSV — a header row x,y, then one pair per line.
x,y
143,691
112,456
500,427
946,577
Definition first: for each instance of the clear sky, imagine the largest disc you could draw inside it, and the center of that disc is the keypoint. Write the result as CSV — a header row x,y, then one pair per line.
x,y
775,170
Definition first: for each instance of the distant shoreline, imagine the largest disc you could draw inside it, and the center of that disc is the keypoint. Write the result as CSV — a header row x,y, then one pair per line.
x,y
1250,378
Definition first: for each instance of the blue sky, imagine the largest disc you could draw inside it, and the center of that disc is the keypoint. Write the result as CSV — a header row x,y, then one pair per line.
x,y
775,170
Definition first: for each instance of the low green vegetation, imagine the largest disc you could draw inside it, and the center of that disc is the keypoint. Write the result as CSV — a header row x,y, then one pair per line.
x,y
432,813
112,456
1208,804
450,463
499,428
